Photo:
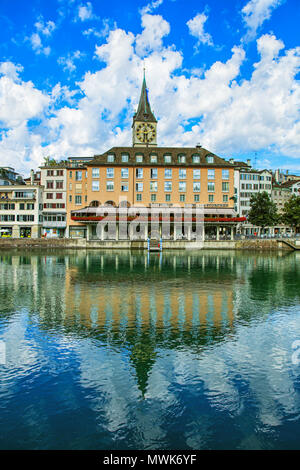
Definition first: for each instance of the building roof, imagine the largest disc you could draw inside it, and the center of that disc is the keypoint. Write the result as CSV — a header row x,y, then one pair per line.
x,y
290,183
160,152
144,112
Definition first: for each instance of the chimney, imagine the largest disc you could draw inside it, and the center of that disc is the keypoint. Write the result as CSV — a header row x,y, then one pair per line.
x,y
31,177
198,146
249,162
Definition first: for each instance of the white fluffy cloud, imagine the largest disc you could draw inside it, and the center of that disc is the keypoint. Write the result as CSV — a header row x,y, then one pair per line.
x,y
196,28
224,113
255,12
85,12
154,29
42,29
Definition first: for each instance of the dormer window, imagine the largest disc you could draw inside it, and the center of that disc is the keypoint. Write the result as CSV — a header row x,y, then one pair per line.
x,y
110,158
210,158
196,158
124,158
181,158
168,158
153,159
139,158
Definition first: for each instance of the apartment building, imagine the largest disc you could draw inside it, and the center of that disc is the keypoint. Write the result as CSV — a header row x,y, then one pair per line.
x,y
54,183
21,211
280,195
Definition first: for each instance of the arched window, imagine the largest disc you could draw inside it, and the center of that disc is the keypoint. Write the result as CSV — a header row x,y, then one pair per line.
x,y
110,203
95,204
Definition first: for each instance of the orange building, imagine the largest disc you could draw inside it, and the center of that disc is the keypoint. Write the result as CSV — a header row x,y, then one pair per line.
x,y
150,176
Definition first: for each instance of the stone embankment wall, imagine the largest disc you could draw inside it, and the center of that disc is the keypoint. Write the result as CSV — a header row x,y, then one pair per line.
x,y
31,243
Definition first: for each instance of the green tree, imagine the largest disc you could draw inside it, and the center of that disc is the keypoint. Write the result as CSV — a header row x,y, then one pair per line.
x,y
263,212
291,212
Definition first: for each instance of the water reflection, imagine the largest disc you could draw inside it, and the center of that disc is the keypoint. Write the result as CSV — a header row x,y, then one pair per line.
x,y
126,350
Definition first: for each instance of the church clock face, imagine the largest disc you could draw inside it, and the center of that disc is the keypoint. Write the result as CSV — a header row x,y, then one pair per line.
x,y
145,133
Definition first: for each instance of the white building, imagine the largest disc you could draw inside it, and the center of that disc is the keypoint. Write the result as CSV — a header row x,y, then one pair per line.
x,y
20,211
54,182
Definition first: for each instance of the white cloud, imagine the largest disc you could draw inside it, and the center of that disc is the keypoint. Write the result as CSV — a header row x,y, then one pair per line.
x,y
42,30
68,61
151,6
154,29
85,12
196,28
255,12
217,108
107,26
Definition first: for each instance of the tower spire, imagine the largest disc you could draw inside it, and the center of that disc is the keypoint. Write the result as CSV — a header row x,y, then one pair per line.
x,y
144,112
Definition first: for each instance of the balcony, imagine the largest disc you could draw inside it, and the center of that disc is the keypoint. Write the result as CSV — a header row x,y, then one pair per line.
x,y
54,224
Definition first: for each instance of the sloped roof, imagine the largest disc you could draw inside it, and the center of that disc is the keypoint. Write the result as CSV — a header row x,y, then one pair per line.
x,y
160,152
144,112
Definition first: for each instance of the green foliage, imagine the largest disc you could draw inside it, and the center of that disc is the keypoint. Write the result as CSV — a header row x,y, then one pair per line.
x,y
49,161
263,212
291,212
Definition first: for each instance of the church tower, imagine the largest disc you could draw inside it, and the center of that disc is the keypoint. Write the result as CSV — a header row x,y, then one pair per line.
x,y
144,123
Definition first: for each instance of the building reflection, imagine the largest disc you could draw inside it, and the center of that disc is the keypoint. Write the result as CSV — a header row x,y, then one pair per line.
x,y
143,303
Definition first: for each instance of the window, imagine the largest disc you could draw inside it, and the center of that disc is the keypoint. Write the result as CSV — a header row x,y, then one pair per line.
x,y
182,174
196,187
211,174
70,198
211,187
210,198
153,186
210,159
22,206
196,198
139,158
110,172
153,159
168,186
168,173
196,158
181,158
124,173
196,174
139,187
50,184
59,195
77,199
153,197
138,197
139,173
110,158
225,187
71,174
168,197
124,188
95,185
124,158
95,173
110,186
225,197
225,174
49,196
59,172
153,173
59,184
78,188
182,186
78,175
182,197
50,172
168,158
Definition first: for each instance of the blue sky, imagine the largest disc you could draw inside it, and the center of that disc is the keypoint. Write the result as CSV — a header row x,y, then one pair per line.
x,y
222,73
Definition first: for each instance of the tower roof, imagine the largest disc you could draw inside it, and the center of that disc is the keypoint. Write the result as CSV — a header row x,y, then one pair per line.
x,y
144,112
